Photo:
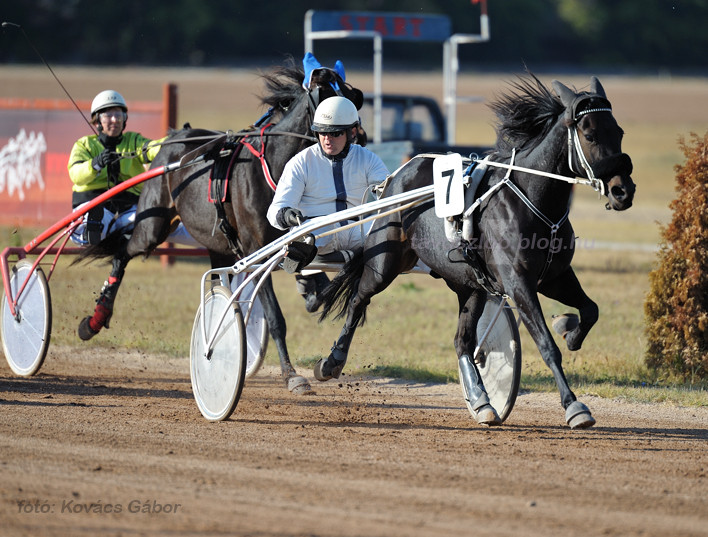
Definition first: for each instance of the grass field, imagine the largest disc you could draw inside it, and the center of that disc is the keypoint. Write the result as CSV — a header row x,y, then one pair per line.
x,y
155,307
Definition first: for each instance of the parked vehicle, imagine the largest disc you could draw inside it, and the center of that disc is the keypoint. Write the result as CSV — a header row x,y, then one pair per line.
x,y
410,125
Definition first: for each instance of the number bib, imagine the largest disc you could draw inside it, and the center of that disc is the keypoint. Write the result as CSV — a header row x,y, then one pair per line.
x,y
447,185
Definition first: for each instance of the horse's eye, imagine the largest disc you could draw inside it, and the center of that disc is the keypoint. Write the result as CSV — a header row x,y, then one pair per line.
x,y
590,138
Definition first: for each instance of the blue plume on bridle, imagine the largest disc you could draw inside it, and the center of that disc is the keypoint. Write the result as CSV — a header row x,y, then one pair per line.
x,y
310,64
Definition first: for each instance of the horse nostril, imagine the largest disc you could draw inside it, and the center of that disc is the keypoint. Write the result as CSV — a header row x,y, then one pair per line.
x,y
618,193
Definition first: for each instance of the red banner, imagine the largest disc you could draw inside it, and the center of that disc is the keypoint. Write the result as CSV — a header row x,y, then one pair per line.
x,y
36,137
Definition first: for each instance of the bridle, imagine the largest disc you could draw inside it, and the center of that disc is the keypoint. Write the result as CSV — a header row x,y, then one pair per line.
x,y
574,140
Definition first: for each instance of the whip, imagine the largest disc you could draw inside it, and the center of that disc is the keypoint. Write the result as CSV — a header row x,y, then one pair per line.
x,y
13,25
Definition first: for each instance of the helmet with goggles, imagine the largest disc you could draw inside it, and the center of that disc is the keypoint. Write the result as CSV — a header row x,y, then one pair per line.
x,y
335,114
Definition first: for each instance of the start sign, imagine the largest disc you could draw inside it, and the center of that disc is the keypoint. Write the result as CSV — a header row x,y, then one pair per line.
x,y
391,26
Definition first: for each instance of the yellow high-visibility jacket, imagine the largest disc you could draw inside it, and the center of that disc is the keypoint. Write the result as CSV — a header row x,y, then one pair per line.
x,y
86,178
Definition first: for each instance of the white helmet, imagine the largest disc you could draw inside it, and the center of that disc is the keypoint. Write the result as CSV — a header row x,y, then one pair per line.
x,y
335,114
107,99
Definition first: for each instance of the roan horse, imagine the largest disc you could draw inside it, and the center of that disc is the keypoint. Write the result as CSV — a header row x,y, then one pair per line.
x,y
239,226
522,243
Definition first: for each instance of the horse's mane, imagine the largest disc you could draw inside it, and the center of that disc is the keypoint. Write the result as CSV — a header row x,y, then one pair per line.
x,y
525,115
283,85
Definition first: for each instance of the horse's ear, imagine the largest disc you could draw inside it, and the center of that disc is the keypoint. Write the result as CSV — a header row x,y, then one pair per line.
x,y
357,97
567,95
596,87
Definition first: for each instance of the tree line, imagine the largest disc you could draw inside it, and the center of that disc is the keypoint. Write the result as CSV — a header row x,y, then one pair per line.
x,y
658,36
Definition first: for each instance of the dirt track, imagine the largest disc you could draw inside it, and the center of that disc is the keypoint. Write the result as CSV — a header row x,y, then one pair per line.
x,y
119,435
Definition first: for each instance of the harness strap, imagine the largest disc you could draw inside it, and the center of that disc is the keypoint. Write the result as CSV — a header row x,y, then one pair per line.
x,y
260,155
218,190
219,185
554,227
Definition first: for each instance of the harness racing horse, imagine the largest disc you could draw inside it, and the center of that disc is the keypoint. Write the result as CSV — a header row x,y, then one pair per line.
x,y
521,242
236,225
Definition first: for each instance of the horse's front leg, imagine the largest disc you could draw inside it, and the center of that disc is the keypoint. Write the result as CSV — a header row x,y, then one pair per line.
x,y
567,289
577,415
297,384
471,309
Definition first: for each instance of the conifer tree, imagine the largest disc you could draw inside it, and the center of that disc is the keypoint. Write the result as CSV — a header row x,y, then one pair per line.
x,y
676,307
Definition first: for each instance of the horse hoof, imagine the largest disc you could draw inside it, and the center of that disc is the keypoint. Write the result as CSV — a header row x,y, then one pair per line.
x,y
324,370
85,330
298,385
312,302
565,323
486,415
578,416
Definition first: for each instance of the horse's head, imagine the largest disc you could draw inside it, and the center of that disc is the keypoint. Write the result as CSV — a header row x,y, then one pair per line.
x,y
323,82
293,94
595,143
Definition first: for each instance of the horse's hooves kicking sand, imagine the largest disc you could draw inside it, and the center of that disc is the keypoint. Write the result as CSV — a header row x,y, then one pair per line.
x,y
578,416
298,385
326,369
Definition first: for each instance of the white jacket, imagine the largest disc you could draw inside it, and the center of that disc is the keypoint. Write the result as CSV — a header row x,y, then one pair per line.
x,y
308,181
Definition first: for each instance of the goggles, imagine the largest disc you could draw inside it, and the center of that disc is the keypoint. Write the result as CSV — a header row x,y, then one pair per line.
x,y
333,134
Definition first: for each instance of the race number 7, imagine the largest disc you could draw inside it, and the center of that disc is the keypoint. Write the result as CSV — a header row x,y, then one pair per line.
x,y
447,185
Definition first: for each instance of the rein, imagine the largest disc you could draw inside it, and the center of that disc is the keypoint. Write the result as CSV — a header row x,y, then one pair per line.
x,y
596,184
218,134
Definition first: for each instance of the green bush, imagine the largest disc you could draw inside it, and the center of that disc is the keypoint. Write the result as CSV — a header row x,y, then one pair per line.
x,y
676,307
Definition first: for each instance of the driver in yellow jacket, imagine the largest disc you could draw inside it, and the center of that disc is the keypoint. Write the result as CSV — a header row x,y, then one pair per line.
x,y
99,162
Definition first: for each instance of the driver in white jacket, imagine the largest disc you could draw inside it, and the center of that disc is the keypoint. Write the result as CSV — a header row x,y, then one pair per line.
x,y
327,177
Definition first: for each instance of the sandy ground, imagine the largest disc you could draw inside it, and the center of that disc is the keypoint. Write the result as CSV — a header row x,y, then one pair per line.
x,y
113,444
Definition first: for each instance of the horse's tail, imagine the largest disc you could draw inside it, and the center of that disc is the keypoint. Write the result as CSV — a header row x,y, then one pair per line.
x,y
337,295
111,246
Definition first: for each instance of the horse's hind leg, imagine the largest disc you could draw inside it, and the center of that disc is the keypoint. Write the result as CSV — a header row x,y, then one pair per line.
x,y
332,366
368,274
297,384
567,290
471,309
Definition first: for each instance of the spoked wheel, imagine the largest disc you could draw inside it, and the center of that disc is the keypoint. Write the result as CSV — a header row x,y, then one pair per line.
x,y
25,337
500,358
218,375
256,328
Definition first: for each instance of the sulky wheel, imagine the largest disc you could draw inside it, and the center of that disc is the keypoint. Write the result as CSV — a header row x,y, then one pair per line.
x,y
25,336
500,363
256,328
218,375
